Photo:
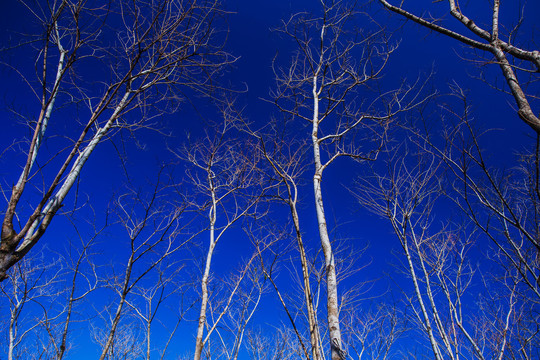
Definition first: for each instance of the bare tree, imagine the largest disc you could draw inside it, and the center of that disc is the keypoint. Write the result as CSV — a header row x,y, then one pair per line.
x,y
28,290
230,316
55,289
398,196
81,279
141,53
322,86
140,287
128,344
373,334
155,234
505,48
438,257
25,287
228,187
287,164
502,204
148,300
294,308
280,345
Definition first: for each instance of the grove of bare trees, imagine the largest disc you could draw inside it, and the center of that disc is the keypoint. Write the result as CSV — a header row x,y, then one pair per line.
x,y
378,199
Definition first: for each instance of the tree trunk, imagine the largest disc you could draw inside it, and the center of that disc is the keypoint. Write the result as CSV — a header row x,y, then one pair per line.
x,y
331,279
312,317
199,343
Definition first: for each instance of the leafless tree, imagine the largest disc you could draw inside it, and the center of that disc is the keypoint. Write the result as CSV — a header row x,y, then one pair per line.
x,y
29,283
285,159
291,294
281,345
295,309
405,196
81,280
128,344
505,48
230,316
437,257
326,86
227,183
140,287
62,283
154,234
125,63
502,204
373,333
148,300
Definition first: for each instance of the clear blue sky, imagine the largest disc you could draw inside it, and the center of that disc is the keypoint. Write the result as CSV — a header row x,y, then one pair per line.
x,y
251,39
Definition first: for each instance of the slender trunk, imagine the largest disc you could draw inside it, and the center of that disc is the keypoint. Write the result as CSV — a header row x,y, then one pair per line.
x,y
429,293
331,279
116,320
199,343
291,319
62,349
292,192
312,317
112,332
12,331
401,231
148,325
240,335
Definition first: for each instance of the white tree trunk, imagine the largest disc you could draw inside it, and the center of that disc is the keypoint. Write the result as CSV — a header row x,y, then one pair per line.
x,y
331,279
312,316
199,342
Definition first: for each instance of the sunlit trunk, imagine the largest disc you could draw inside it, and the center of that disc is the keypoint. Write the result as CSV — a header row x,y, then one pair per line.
x,y
331,279
312,316
199,343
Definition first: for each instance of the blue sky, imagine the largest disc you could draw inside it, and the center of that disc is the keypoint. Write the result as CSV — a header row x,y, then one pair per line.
x,y
250,39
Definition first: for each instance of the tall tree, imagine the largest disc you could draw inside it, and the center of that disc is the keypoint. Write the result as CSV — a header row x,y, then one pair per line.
x,y
153,234
333,64
118,60
466,228
227,189
286,162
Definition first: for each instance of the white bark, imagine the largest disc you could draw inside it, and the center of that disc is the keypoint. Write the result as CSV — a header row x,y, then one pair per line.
x,y
42,123
231,186
162,43
332,304
491,43
427,322
57,200
199,343
292,200
12,331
